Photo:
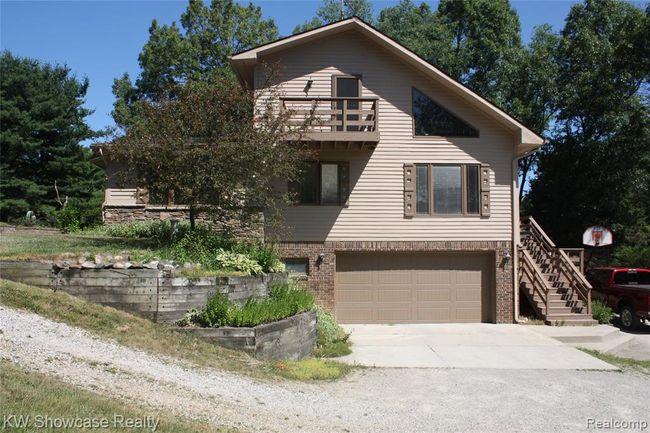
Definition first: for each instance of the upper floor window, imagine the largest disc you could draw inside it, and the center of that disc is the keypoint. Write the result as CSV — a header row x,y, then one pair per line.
x,y
323,183
430,118
447,189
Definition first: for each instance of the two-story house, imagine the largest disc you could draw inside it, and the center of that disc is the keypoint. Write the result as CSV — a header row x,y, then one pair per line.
x,y
410,212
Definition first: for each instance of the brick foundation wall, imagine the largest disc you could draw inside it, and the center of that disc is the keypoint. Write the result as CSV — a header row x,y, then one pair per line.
x,y
125,214
321,272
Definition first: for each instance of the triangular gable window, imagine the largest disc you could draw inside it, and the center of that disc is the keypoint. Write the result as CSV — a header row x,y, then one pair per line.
x,y
429,118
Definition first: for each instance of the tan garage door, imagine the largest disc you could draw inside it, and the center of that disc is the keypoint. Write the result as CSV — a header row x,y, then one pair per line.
x,y
413,288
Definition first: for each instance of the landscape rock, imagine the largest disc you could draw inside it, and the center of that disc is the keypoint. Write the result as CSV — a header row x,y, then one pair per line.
x,y
151,265
88,265
119,265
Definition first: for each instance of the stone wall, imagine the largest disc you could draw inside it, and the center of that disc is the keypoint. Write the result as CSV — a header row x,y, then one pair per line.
x,y
290,338
119,214
322,272
158,295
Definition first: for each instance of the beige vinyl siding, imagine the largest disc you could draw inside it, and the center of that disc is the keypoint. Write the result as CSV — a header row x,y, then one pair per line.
x,y
375,210
119,196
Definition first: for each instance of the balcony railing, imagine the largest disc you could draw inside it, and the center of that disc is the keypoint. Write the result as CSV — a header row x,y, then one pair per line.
x,y
330,119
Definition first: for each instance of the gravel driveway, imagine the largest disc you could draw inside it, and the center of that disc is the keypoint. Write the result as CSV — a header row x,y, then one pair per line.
x,y
370,400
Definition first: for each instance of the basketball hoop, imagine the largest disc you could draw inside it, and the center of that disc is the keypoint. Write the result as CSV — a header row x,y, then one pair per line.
x,y
597,236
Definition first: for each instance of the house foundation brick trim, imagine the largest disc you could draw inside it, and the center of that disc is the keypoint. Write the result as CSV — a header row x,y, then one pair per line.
x,y
322,270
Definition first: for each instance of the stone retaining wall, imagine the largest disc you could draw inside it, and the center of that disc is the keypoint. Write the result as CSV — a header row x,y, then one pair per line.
x,y
290,338
158,295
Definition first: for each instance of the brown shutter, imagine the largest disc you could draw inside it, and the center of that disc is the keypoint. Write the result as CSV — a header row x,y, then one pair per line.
x,y
344,183
409,190
485,190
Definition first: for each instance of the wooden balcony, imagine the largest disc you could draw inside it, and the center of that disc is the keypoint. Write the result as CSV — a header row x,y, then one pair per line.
x,y
335,123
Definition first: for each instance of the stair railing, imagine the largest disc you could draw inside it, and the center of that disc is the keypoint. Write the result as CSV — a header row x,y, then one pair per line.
x,y
577,282
528,268
561,262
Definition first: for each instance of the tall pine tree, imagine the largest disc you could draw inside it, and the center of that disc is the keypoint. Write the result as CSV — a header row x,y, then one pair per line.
x,y
42,122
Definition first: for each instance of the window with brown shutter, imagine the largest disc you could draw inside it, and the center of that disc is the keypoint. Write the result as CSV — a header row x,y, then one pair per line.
x,y
445,190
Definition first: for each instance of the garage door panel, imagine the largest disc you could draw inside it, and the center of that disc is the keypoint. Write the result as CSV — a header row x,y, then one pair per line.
x,y
396,294
438,277
357,295
387,315
359,314
468,294
440,314
432,293
411,287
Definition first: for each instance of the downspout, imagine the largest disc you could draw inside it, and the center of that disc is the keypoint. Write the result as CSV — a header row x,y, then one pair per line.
x,y
515,230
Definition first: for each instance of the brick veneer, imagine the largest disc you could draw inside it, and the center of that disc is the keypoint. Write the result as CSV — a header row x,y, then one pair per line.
x,y
321,273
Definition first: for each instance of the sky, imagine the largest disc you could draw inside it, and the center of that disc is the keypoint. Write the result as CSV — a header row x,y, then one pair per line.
x,y
102,39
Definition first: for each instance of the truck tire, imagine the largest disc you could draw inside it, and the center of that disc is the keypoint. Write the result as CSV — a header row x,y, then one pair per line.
x,y
629,319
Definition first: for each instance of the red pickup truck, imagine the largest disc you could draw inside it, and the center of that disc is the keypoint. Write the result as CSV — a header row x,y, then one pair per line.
x,y
625,290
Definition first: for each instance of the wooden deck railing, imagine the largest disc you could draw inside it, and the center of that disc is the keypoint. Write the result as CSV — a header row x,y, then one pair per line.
x,y
331,115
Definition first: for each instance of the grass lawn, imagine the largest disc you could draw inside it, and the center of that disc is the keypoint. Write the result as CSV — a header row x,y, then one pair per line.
x,y
35,244
33,395
139,333
627,364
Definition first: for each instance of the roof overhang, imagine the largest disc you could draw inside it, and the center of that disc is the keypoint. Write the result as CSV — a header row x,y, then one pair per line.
x,y
244,64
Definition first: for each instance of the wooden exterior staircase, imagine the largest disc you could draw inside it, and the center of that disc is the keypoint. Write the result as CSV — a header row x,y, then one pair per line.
x,y
554,286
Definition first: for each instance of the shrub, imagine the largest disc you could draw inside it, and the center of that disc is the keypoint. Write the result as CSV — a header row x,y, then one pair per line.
x,y
601,312
68,219
162,231
237,262
262,254
332,340
284,301
215,313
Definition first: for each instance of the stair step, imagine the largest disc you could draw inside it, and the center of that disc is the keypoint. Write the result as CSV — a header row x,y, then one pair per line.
x,y
570,320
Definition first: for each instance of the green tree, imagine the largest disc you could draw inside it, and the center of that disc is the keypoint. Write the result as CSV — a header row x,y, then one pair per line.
x,y
415,27
532,91
218,147
484,42
335,10
195,51
42,122
596,169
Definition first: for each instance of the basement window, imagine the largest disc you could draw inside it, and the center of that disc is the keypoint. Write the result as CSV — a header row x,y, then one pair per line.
x,y
297,267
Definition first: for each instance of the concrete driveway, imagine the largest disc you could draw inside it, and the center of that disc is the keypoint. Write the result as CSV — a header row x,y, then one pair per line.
x,y
463,346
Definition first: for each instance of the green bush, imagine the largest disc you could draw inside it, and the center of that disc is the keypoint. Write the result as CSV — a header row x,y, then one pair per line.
x,y
68,219
332,340
237,262
262,254
215,251
601,312
215,313
284,300
162,231
633,256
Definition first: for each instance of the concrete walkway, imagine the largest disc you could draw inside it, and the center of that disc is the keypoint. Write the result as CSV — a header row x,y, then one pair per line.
x,y
464,346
